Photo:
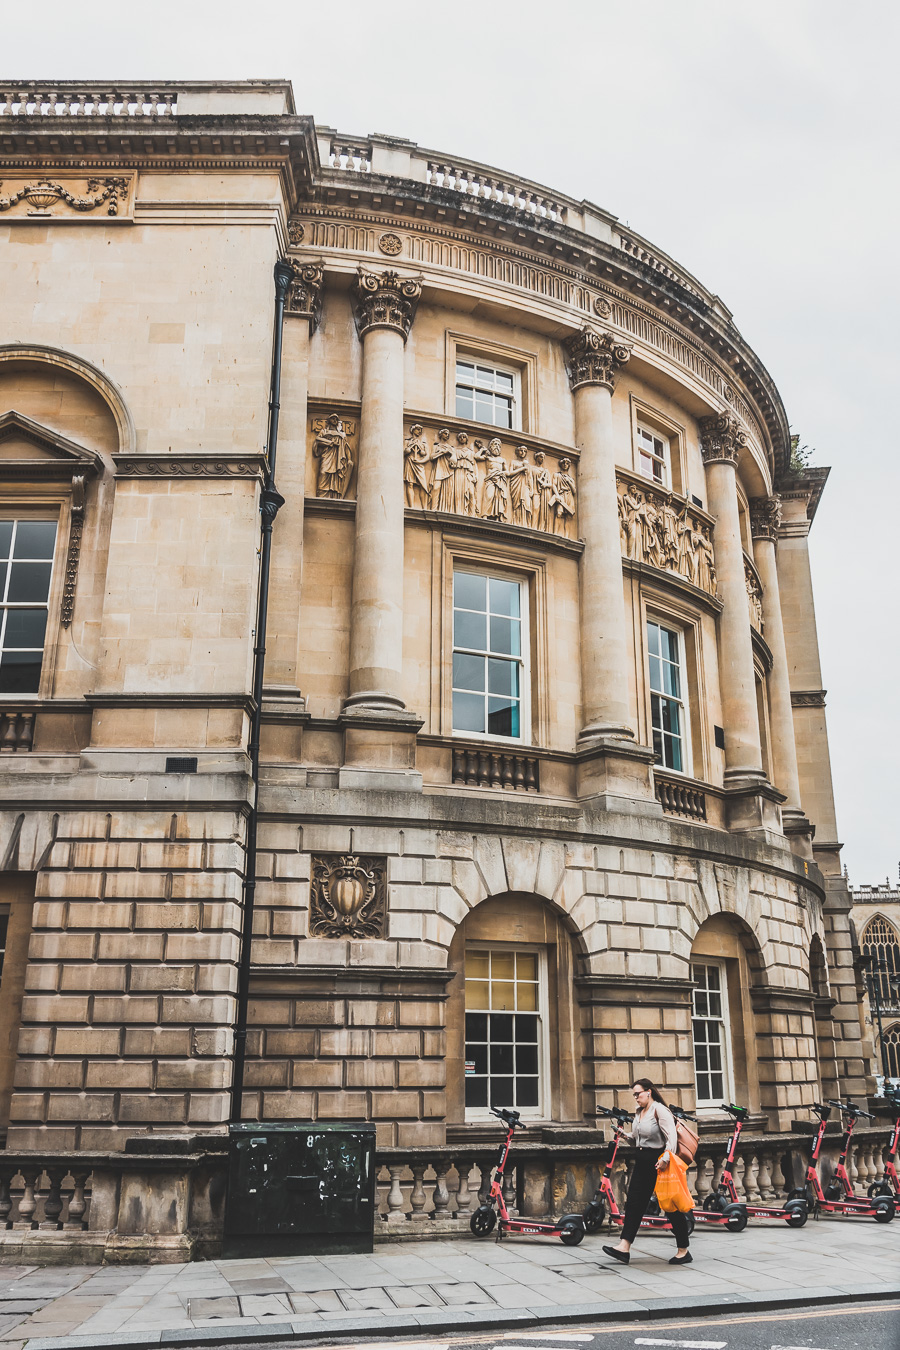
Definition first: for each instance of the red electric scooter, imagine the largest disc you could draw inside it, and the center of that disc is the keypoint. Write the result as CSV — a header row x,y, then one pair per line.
x,y
733,1217
891,1183
569,1229
794,1212
839,1197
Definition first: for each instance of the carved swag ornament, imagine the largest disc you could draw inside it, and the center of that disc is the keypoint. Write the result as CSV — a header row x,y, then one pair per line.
x,y
347,896
595,357
385,300
44,194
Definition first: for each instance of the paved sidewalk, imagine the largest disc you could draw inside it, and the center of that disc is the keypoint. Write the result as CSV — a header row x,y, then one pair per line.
x,y
440,1286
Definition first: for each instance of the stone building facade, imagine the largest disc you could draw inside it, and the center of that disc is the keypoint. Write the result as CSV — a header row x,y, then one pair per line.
x,y
545,799
876,918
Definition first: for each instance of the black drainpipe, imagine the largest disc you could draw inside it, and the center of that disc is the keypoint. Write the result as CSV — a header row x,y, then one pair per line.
x,y
270,502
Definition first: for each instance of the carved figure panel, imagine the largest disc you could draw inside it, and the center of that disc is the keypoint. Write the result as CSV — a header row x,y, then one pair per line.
x,y
662,529
754,597
510,484
333,450
347,896
62,197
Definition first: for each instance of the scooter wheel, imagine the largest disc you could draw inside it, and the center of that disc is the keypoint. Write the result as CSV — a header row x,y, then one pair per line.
x,y
884,1209
714,1201
571,1233
805,1193
879,1188
833,1191
483,1220
736,1220
797,1216
594,1216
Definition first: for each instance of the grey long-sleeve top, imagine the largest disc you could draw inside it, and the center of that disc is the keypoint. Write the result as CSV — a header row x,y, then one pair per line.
x,y
654,1128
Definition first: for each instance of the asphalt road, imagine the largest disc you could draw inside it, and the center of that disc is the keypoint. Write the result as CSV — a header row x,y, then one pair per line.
x,y
855,1326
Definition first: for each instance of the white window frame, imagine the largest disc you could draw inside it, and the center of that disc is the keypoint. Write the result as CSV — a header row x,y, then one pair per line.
x,y
524,658
708,1103
17,516
682,701
539,1112
499,368
664,459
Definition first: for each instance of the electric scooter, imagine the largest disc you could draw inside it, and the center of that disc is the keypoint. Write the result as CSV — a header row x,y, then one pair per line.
x,y
569,1229
733,1217
891,1183
839,1197
795,1212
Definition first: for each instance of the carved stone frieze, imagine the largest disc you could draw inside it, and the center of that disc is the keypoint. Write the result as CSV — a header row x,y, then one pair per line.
x,y
304,297
595,357
467,476
385,300
808,698
391,244
662,529
73,554
765,517
721,438
347,896
187,466
334,452
48,199
754,597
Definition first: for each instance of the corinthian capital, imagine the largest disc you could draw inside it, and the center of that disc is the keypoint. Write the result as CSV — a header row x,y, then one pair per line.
x,y
765,517
594,357
721,438
385,300
304,296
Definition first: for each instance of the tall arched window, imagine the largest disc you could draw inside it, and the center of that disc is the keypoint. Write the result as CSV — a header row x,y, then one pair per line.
x,y
880,941
892,1050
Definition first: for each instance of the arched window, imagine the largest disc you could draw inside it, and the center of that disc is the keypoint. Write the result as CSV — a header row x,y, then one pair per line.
x,y
892,1050
880,941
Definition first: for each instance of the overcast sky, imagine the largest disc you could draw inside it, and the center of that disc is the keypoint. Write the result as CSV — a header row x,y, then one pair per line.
x,y
755,143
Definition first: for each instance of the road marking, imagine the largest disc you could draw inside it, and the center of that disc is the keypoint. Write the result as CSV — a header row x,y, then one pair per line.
x,y
792,1347
685,1345
546,1336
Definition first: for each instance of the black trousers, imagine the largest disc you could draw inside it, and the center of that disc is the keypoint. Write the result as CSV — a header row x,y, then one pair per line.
x,y
640,1189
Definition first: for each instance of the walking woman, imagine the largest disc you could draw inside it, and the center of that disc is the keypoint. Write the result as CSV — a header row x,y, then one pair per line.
x,y
654,1130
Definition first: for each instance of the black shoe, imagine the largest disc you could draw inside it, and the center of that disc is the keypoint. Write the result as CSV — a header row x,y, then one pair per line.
x,y
624,1257
681,1260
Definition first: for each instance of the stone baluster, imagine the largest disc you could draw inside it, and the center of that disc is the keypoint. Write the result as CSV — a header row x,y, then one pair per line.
x,y
54,1202
705,1173
28,1202
751,1179
738,1169
6,1203
879,1164
396,1206
722,441
509,1191
75,1217
486,1168
463,1195
384,306
779,1183
766,1189
440,1197
418,1197
718,1169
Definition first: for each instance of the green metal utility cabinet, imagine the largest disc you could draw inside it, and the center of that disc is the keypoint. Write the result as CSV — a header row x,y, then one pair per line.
x,y
299,1189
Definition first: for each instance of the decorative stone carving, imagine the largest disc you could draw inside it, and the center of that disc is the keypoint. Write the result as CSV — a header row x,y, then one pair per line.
x,y
416,455
543,491
754,597
304,296
76,529
521,478
332,449
464,499
296,231
562,498
186,466
595,357
43,194
721,438
663,530
495,493
391,244
808,698
347,896
385,300
602,306
765,517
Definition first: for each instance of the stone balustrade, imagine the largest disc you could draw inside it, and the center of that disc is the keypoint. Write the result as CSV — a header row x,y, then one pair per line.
x,y
678,798
490,768
43,1196
16,731
86,100
634,245
474,181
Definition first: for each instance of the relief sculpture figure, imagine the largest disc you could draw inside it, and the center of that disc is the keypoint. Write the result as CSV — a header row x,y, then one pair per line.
x,y
495,502
754,596
415,459
637,525
521,488
562,499
685,547
656,540
543,491
707,570
667,529
332,450
465,477
442,457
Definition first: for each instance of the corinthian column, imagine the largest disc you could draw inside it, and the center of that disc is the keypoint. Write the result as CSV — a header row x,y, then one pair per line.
x,y
594,359
765,518
385,305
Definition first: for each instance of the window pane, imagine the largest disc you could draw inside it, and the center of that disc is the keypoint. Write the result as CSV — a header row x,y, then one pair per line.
x,y
526,1029
526,966
526,1059
20,672
505,597
526,1092
527,997
672,755
35,539
476,1092
668,642
476,1026
712,977
465,370
476,965
25,628
505,636
504,413
468,712
503,995
501,1059
469,630
655,673
503,965
503,678
479,1056
501,1027
465,404
469,591
502,1092
503,717
476,993
468,671
484,406
6,528
504,381
29,581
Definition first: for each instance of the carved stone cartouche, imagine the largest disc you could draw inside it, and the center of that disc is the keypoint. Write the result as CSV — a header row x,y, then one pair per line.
x,y
347,896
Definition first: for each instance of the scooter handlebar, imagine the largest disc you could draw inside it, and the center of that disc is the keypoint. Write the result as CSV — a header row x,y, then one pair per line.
x,y
509,1117
681,1114
851,1110
739,1112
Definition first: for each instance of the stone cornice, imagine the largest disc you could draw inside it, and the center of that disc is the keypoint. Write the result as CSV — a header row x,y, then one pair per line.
x,y
179,465
808,698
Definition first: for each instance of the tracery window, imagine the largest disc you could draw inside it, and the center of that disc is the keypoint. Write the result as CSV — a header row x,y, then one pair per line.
x,y
26,565
892,1050
880,941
